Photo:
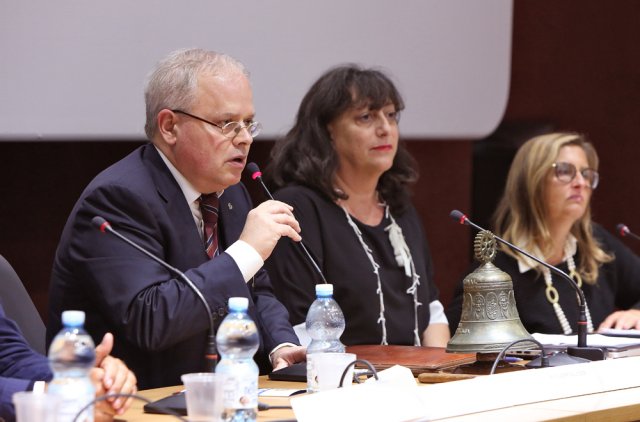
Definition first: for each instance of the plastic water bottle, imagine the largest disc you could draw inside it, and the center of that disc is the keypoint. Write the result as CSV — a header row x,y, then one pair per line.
x,y
71,356
238,341
324,324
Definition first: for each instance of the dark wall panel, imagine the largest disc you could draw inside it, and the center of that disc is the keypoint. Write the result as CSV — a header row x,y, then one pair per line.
x,y
576,66
42,181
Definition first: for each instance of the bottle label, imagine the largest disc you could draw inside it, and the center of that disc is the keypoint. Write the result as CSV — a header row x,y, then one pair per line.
x,y
73,396
328,370
312,373
240,392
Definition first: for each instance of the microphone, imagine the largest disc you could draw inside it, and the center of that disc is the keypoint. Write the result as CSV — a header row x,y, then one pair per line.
x,y
590,353
624,231
211,355
256,174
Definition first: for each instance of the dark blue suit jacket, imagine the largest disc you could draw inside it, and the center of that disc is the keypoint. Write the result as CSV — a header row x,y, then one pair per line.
x,y
20,366
159,324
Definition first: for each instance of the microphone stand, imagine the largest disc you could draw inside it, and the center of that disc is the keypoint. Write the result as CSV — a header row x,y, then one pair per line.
x,y
624,231
581,350
256,174
211,355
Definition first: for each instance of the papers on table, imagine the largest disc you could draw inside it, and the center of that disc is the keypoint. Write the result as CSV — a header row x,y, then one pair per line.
x,y
614,346
620,333
279,392
594,340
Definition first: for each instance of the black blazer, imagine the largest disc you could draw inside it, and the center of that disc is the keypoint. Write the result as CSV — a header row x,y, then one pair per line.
x,y
159,324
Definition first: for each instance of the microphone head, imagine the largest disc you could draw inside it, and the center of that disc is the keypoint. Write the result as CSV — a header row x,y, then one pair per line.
x,y
622,229
100,223
459,216
254,170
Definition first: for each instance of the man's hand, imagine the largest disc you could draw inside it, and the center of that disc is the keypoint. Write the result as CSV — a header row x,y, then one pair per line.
x,y
267,223
111,376
287,356
622,320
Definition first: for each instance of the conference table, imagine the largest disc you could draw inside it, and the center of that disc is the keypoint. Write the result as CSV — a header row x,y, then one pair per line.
x,y
620,405
136,412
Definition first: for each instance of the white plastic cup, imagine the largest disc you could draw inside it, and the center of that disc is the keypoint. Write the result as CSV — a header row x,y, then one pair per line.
x,y
204,391
35,407
329,368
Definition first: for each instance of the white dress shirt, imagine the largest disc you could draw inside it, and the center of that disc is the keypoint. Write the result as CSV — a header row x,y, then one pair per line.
x,y
245,256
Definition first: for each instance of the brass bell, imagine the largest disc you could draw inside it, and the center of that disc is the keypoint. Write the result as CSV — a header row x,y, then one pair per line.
x,y
489,320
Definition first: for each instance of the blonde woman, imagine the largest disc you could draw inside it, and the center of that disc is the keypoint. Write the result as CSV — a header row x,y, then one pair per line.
x,y
545,209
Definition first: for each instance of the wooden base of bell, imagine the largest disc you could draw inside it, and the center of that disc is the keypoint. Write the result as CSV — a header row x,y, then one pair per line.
x,y
484,363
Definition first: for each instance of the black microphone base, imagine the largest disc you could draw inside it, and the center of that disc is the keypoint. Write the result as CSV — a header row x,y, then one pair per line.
x,y
572,356
556,359
586,352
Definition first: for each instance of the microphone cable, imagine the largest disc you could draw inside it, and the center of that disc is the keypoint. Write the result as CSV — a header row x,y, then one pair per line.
x,y
372,371
544,358
159,409
265,406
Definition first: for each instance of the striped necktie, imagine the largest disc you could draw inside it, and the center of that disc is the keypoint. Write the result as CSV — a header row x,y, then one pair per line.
x,y
209,205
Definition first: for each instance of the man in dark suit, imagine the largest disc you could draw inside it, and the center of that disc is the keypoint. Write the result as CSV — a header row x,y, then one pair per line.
x,y
21,367
200,120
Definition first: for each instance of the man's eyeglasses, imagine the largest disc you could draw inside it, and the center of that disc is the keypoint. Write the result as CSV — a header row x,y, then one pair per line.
x,y
566,172
231,129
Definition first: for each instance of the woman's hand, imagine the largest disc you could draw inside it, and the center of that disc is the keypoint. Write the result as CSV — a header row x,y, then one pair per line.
x,y
436,335
622,320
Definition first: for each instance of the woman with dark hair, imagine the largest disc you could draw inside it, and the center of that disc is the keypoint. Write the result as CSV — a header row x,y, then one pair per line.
x,y
346,175
545,209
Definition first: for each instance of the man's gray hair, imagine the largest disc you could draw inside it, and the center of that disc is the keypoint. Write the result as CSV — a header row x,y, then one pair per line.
x,y
174,81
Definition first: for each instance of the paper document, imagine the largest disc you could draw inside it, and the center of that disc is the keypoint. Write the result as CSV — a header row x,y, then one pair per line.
x,y
594,340
620,333
279,392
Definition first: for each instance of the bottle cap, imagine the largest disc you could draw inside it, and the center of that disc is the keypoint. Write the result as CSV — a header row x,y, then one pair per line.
x,y
238,304
73,318
324,289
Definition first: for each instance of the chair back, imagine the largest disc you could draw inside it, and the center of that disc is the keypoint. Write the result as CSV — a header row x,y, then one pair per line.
x,y
19,307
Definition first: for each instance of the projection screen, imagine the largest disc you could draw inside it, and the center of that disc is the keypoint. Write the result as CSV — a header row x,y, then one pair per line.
x,y
75,69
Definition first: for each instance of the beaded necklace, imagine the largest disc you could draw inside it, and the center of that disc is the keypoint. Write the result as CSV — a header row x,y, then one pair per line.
x,y
403,258
554,297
